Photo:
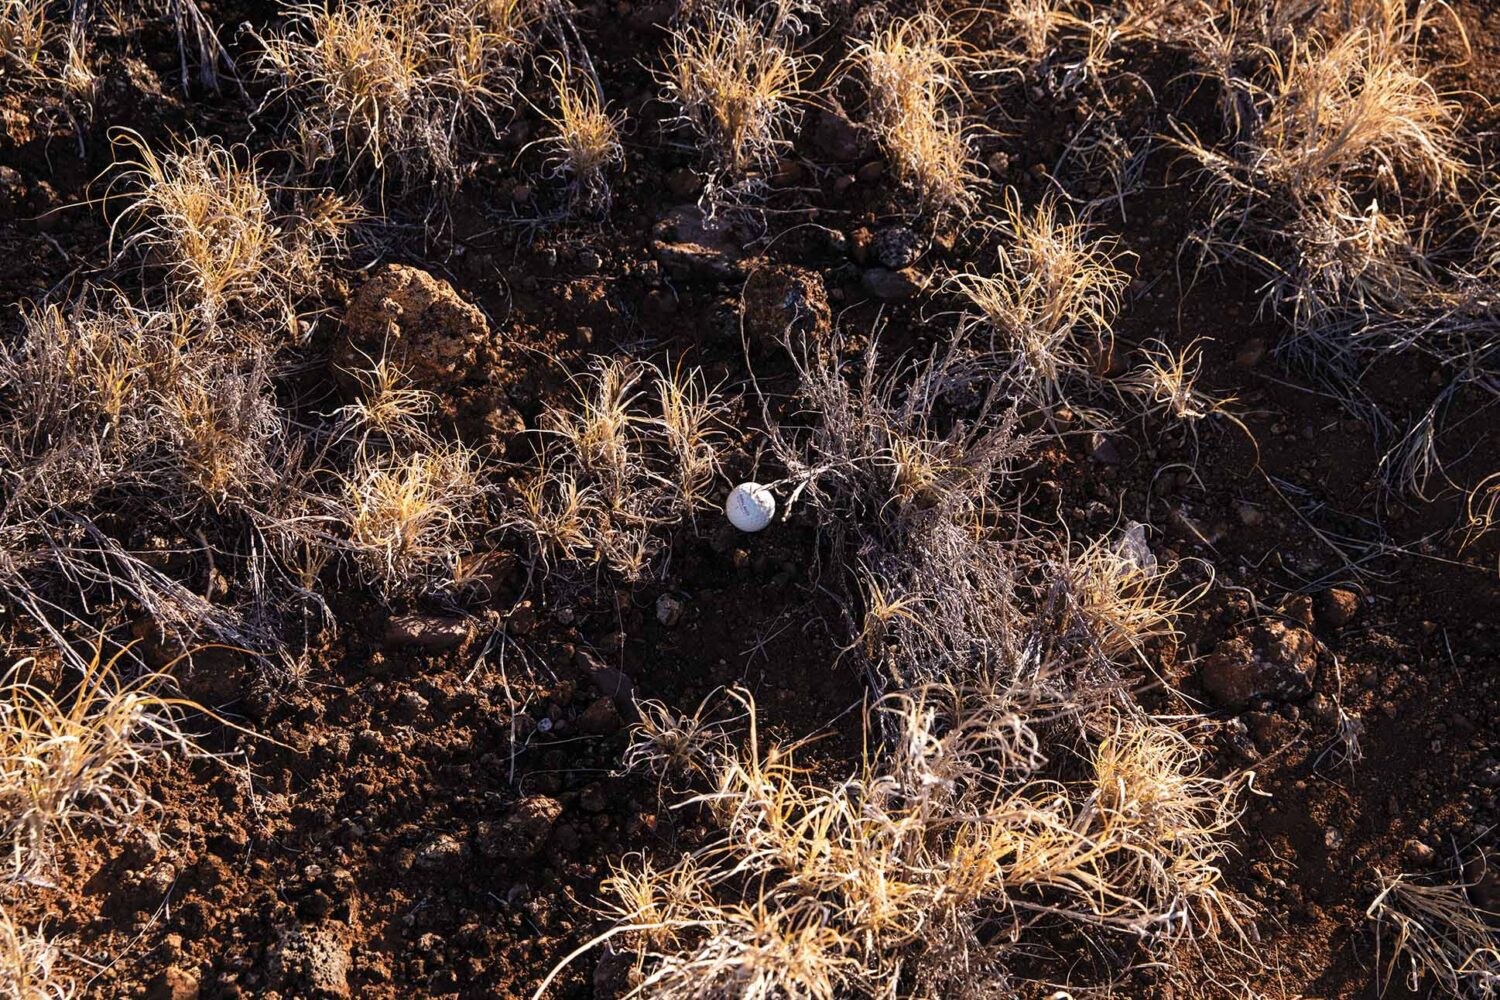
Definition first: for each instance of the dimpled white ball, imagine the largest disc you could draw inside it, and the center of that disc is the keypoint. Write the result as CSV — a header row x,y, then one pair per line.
x,y
750,506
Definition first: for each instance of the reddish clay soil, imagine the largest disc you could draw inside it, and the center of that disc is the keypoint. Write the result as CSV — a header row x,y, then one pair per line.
x,y
424,823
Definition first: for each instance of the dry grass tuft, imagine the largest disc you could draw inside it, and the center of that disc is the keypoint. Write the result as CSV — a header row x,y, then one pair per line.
x,y
736,79
1114,597
397,87
26,965
913,72
1166,385
951,829
77,760
1440,937
202,213
1050,301
637,451
408,514
585,141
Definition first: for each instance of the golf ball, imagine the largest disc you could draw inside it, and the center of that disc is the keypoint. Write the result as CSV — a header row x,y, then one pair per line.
x,y
750,506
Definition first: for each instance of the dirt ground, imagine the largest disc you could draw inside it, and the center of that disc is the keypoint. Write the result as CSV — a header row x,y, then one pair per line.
x,y
434,822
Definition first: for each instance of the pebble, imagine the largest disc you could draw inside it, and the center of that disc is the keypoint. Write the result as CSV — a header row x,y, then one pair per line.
x,y
1103,450
1337,607
668,610
433,633
891,286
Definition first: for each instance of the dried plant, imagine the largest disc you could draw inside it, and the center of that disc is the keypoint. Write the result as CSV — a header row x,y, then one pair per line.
x,y
913,71
202,212
77,760
1166,385
736,79
26,965
1050,301
856,884
397,87
1438,935
618,463
407,514
1113,597
585,141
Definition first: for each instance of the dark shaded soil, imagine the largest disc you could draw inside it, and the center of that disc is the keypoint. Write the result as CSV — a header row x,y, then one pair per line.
x,y
392,817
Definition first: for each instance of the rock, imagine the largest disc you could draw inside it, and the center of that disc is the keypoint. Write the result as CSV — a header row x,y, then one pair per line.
x,y
441,853
601,718
786,299
1103,450
683,183
418,322
1250,517
1269,659
668,610
1299,608
889,285
1268,730
524,832
1337,607
1251,353
1419,853
410,706
174,984
609,681
838,139
896,247
311,962
433,633
12,192
690,246
788,172
870,172
211,675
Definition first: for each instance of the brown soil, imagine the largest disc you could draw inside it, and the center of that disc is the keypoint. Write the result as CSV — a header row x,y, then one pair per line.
x,y
392,831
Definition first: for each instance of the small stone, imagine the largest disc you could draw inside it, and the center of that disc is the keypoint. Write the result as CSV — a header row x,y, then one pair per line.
x,y
872,171
668,610
587,261
1299,608
1337,607
1419,853
838,139
521,194
433,633
438,854
1251,353
523,832
1250,517
891,286
683,183
689,245
786,299
410,706
1268,659
608,680
896,247
1103,450
601,718
174,984
311,962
